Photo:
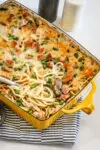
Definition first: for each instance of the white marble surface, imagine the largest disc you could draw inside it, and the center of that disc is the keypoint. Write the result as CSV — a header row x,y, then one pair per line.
x,y
89,36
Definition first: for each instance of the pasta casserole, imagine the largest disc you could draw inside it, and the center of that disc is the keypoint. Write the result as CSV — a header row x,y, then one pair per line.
x,y
48,67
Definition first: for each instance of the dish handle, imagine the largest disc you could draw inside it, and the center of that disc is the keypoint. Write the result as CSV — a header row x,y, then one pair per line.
x,y
86,105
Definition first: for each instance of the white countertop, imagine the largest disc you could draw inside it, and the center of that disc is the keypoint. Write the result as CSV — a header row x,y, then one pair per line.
x,y
89,36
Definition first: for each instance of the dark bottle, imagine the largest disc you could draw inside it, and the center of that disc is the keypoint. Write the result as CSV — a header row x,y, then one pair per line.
x,y
48,9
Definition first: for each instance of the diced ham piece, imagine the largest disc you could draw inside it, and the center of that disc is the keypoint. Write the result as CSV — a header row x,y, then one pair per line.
x,y
65,90
32,44
88,72
63,97
40,57
68,77
41,50
9,62
25,14
25,28
29,105
50,64
34,28
13,44
49,56
4,91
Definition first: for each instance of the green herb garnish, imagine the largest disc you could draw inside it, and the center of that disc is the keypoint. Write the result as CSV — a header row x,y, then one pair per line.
x,y
81,68
14,77
44,62
17,91
36,20
75,75
55,60
33,86
49,81
61,102
18,68
44,42
81,59
46,51
12,37
19,103
30,111
19,17
15,26
58,36
1,64
14,59
76,55
33,76
53,105
55,49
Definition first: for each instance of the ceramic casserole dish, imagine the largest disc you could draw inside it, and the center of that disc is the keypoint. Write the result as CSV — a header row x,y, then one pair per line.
x,y
52,69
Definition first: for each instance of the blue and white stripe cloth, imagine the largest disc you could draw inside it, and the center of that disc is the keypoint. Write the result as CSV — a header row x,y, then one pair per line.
x,y
63,131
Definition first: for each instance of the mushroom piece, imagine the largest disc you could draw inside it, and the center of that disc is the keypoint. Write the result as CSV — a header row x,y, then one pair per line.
x,y
58,87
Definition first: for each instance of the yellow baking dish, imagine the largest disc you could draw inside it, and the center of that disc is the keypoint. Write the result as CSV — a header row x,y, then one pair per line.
x,y
86,105
71,106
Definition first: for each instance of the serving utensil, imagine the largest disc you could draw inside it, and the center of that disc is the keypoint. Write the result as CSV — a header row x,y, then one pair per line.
x,y
7,81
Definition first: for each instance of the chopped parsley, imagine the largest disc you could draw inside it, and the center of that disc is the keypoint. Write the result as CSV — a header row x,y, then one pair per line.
x,y
30,111
55,60
61,102
18,68
46,51
57,37
81,68
1,64
53,105
33,76
44,42
14,77
49,81
44,62
19,103
14,59
36,20
33,86
17,91
76,55
30,22
55,49
12,37
19,17
81,59
75,75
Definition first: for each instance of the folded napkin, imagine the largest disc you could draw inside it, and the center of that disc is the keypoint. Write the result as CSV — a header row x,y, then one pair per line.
x,y
63,131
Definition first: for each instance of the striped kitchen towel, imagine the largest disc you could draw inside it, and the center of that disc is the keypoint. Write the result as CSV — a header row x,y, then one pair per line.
x,y
63,131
